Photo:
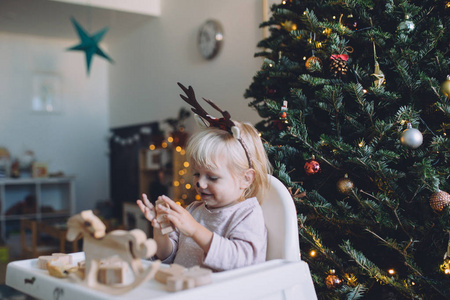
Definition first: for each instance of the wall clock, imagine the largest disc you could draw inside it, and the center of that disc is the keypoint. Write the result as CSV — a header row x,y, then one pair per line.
x,y
210,39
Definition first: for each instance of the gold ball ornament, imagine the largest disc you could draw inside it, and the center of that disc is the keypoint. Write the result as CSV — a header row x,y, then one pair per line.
x,y
439,200
445,87
332,281
345,185
313,64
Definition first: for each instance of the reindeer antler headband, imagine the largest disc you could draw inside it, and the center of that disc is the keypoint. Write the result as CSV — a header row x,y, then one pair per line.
x,y
207,120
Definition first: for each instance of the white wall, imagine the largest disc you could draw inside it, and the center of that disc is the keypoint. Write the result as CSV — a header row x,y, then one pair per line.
x,y
152,59
72,141
139,87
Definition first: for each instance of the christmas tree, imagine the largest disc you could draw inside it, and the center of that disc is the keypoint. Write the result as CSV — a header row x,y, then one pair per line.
x,y
354,97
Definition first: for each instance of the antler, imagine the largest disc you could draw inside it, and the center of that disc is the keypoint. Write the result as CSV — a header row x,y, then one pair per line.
x,y
226,115
190,99
224,123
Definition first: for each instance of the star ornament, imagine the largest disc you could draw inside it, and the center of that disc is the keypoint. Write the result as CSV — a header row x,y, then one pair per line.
x,y
89,44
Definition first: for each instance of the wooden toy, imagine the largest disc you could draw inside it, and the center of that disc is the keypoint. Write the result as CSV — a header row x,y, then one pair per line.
x,y
166,226
60,257
129,246
111,271
177,278
164,273
193,277
60,269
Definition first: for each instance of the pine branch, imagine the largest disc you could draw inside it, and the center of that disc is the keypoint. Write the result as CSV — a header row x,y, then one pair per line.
x,y
372,270
402,252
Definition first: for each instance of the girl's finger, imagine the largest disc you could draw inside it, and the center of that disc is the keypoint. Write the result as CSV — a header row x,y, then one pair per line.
x,y
155,223
163,208
146,201
172,204
174,220
141,206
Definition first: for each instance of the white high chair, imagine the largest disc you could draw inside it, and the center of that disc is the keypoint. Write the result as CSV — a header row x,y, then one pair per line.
x,y
283,277
280,216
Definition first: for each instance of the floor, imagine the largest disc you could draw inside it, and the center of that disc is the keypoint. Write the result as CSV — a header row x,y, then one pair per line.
x,y
2,272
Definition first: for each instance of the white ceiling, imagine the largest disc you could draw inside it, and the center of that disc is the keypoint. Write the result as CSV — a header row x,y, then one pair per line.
x,y
52,19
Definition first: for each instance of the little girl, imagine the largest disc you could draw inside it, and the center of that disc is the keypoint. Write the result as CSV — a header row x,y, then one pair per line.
x,y
226,229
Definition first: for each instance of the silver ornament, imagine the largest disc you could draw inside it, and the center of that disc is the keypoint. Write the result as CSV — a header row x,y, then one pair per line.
x,y
406,25
411,137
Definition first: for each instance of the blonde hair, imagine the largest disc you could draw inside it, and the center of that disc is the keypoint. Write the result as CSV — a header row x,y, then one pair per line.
x,y
209,146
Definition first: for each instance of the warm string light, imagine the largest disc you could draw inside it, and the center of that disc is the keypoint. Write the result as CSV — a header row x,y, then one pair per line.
x,y
445,267
143,133
179,181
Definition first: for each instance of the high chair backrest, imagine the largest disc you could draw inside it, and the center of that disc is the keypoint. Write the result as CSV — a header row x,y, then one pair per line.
x,y
280,216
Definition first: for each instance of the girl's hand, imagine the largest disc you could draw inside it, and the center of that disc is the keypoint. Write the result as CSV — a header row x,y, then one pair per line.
x,y
176,214
148,210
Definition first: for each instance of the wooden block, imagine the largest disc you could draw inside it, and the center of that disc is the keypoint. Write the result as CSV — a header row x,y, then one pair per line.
x,y
166,226
60,257
193,277
60,269
179,282
111,274
163,274
111,271
43,260
201,276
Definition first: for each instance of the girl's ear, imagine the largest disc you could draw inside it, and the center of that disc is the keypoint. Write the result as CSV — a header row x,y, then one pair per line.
x,y
248,178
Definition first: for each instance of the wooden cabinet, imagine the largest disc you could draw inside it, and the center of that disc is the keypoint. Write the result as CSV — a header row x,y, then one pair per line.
x,y
166,171
156,172
126,144
34,198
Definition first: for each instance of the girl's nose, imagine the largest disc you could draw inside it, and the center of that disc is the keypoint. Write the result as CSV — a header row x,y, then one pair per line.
x,y
201,183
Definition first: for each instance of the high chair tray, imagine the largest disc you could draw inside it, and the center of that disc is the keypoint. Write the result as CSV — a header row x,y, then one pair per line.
x,y
275,279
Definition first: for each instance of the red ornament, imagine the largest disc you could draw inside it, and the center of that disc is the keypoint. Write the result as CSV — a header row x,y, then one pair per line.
x,y
312,167
344,57
283,111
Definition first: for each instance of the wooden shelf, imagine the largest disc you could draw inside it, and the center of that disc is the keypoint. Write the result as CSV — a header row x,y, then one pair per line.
x,y
36,199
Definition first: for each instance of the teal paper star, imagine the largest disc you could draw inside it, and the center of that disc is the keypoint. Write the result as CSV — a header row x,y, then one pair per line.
x,y
89,44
